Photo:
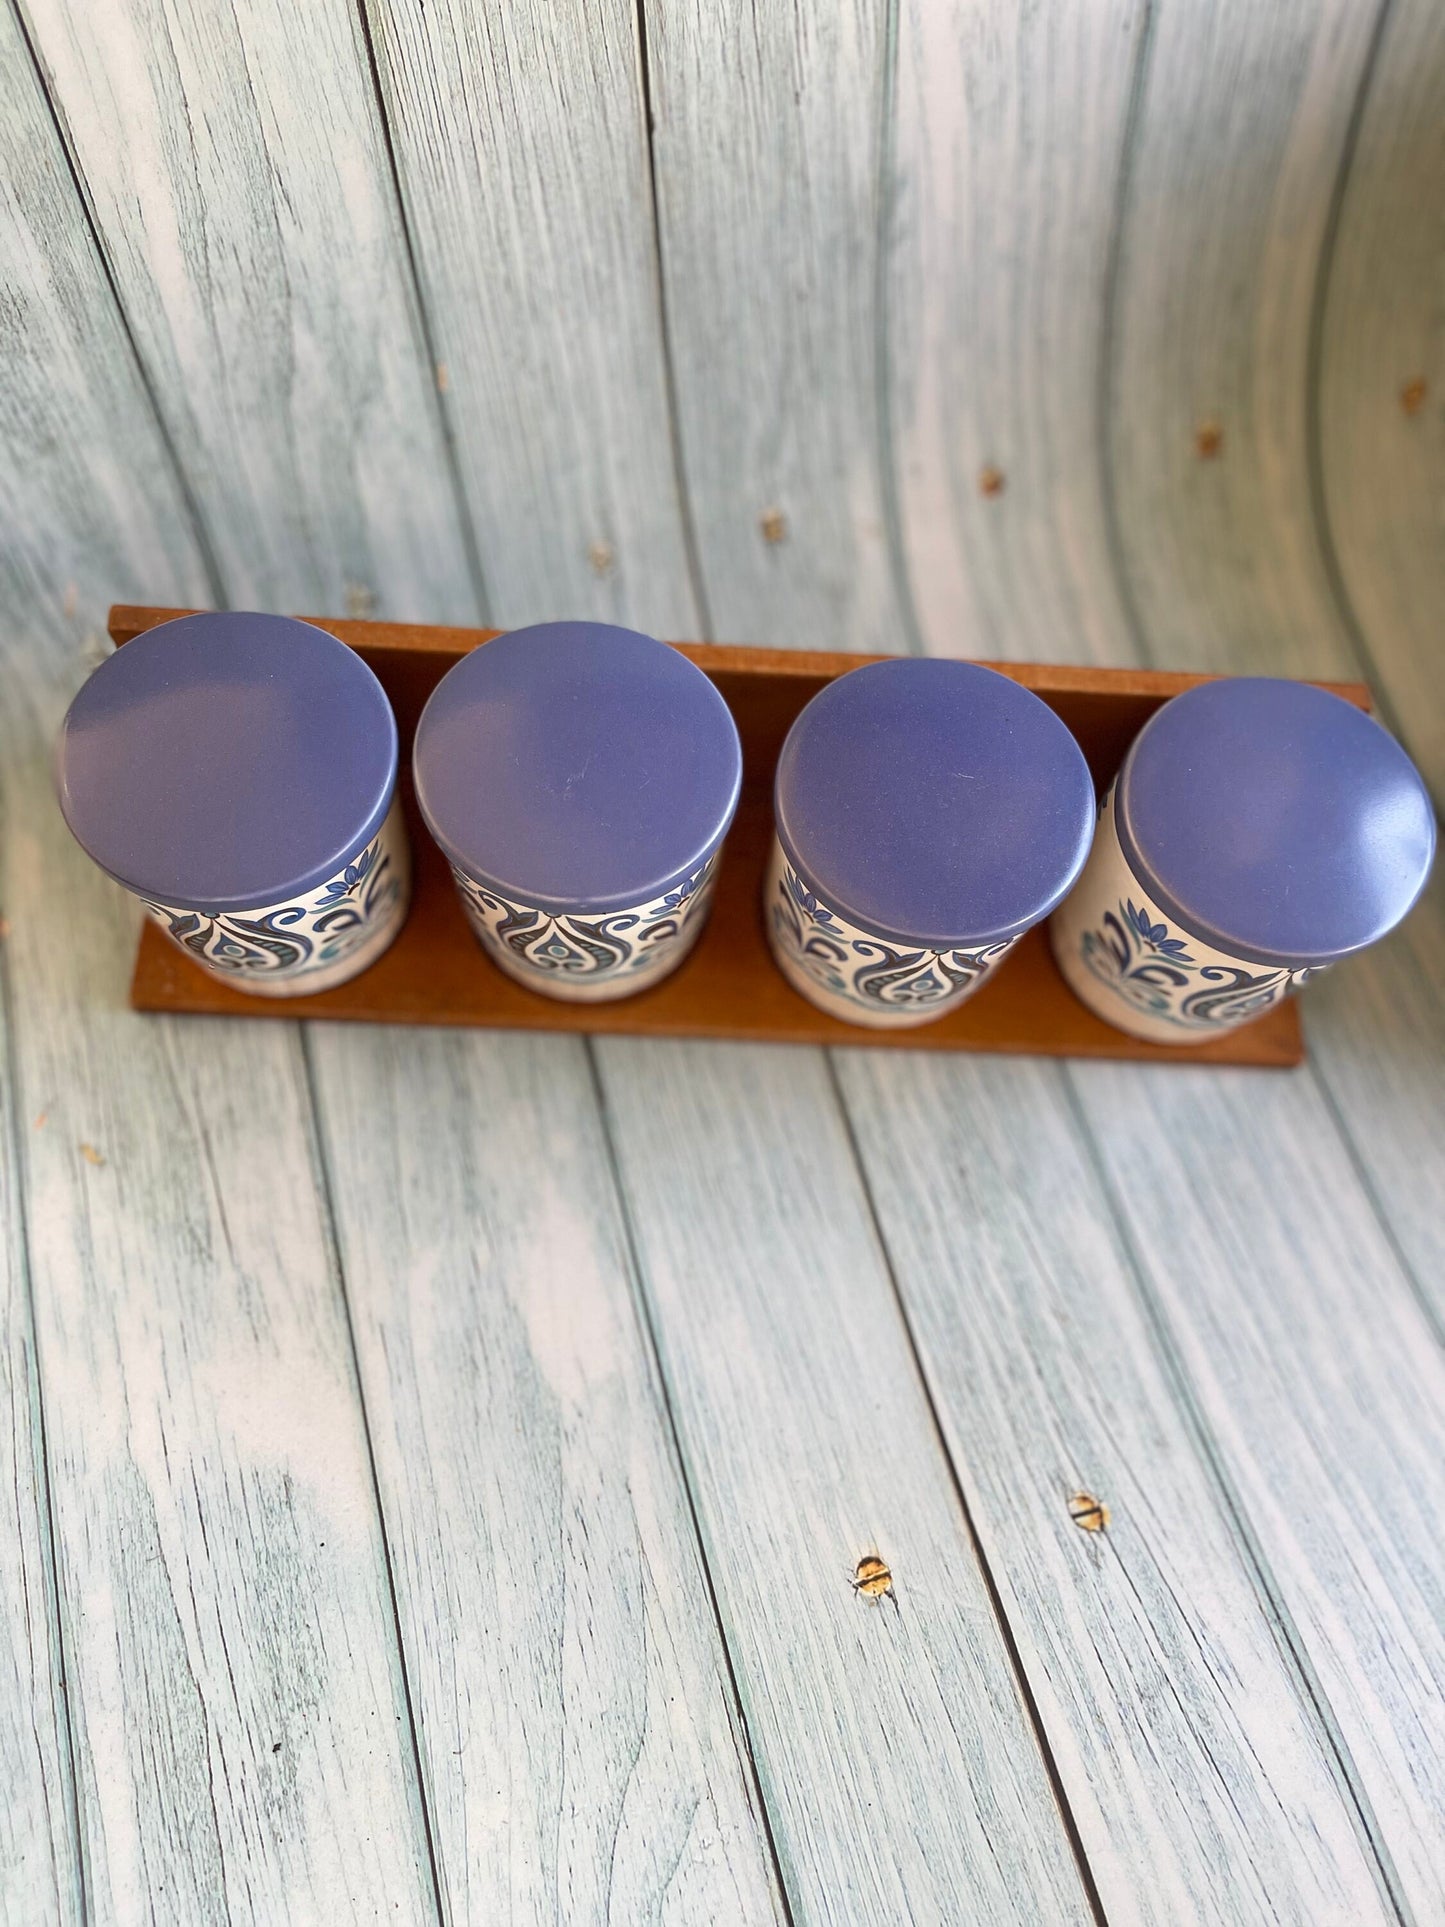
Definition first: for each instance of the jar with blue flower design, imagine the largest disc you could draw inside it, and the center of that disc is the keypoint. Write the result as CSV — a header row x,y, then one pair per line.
x,y
580,780
928,813
1258,831
237,773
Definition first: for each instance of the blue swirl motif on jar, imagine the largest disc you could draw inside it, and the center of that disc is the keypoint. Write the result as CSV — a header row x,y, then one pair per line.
x,y
863,969
634,943
308,934
1133,950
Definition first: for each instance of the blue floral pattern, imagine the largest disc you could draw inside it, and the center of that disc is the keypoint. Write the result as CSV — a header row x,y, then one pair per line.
x,y
1110,930
607,955
346,922
863,972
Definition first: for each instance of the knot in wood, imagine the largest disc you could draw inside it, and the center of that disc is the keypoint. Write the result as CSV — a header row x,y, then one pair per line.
x,y
1412,395
1208,440
774,525
871,1576
990,480
1088,1513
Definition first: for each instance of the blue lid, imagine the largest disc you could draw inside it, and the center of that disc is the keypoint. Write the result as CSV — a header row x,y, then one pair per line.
x,y
938,803
577,767
1274,820
227,762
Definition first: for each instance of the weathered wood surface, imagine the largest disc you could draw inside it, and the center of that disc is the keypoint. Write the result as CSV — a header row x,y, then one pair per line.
x,y
236,172
1381,400
1059,243
1376,1029
1008,141
1316,1375
89,498
581,1751
809,1445
39,1856
769,132
521,142
1154,1637
1242,126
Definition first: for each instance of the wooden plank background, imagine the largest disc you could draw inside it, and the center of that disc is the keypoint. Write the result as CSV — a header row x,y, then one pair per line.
x,y
436,1468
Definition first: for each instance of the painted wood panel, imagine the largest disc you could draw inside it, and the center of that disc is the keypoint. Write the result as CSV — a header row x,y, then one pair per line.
x,y
88,502
768,146
1146,1641
582,1754
522,146
241,1739
90,507
1376,1032
1242,125
237,175
1321,1387
1381,397
39,1848
1008,140
896,1758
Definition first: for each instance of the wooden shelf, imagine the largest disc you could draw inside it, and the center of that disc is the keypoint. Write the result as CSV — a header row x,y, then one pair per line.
x,y
435,972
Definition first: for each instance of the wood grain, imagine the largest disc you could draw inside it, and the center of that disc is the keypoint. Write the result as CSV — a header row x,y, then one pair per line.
x,y
1382,439
767,147
39,1850
1321,1387
237,175
1150,1640
1009,131
233,1677
522,147
90,507
1377,1033
582,1755
1243,120
896,1758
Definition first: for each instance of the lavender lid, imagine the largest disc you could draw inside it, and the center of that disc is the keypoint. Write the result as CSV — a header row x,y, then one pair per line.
x,y
577,767
227,762
1274,820
935,802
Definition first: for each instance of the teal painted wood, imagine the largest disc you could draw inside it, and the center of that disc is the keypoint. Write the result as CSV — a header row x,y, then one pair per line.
x,y
237,175
1152,1639
1243,120
1376,1029
768,132
1321,1386
90,507
522,147
240,1726
39,1847
896,1759
1381,375
1008,138
582,1755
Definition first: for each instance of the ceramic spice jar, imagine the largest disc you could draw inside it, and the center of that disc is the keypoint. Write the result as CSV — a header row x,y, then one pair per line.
x,y
236,773
580,780
928,813
1258,831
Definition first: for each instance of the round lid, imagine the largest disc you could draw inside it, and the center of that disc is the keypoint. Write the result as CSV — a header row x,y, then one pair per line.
x,y
1274,821
227,762
938,803
577,767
